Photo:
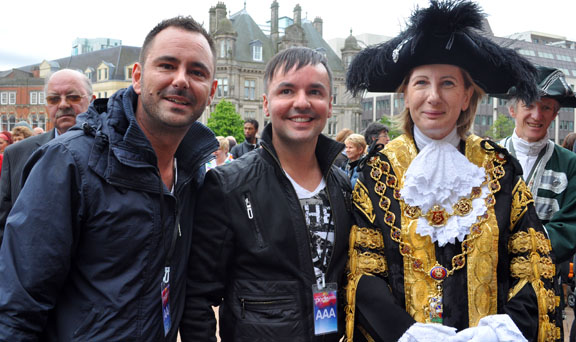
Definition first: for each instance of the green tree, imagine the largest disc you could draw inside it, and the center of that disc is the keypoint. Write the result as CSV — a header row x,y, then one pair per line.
x,y
501,128
225,121
393,130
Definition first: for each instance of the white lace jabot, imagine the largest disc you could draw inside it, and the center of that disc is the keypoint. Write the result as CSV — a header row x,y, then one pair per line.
x,y
441,175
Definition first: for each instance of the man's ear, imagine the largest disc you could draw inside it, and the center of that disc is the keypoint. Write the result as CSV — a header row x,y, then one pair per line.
x,y
137,78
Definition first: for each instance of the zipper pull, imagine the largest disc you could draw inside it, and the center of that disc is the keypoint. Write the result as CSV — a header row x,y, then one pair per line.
x,y
166,278
248,208
243,314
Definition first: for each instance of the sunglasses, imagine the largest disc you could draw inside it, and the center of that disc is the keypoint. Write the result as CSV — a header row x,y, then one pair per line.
x,y
71,99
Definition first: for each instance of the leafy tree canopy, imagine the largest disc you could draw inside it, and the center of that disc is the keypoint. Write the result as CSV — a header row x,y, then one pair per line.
x,y
393,130
225,121
501,128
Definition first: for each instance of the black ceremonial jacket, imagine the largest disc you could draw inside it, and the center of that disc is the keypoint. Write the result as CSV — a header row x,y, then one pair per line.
x,y
507,267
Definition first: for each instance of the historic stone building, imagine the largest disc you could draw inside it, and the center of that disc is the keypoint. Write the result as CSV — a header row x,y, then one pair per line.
x,y
244,48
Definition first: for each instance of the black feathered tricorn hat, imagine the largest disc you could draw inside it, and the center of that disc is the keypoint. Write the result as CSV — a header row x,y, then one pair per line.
x,y
551,83
444,33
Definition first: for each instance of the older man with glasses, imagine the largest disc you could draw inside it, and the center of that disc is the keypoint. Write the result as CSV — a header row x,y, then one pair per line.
x,y
68,93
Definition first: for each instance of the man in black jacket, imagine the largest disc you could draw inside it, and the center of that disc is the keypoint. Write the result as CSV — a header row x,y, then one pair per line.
x,y
97,244
271,231
251,142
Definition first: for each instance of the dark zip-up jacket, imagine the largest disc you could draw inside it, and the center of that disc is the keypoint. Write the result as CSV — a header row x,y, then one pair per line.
x,y
86,242
251,250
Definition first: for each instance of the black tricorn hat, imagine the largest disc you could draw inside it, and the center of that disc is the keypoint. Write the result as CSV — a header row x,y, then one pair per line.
x,y
551,83
444,33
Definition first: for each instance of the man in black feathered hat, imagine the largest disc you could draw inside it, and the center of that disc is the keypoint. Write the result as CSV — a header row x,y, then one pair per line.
x,y
447,245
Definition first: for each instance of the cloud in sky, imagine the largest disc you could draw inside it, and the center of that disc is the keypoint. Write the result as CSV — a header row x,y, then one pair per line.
x,y
47,31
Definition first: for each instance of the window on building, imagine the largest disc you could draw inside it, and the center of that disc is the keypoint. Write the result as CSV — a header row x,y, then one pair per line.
x,y
4,120
11,97
527,52
129,72
545,55
33,97
34,120
222,87
223,49
256,47
42,121
332,127
552,125
11,122
4,98
367,106
564,58
335,96
41,97
249,113
570,126
250,89
103,74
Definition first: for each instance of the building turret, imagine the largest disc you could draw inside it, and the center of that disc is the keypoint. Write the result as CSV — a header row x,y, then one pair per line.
x,y
350,49
318,23
298,15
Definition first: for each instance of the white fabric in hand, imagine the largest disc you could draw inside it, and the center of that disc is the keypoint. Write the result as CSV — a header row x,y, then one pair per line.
x,y
427,332
494,328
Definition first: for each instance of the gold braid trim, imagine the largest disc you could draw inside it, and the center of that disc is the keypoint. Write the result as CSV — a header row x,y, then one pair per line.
x,y
521,242
362,201
368,238
548,331
520,199
532,269
359,264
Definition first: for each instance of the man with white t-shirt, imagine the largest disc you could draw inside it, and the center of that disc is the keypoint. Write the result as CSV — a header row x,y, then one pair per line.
x,y
271,234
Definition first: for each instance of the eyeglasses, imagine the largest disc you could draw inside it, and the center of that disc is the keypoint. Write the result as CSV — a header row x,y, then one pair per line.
x,y
71,99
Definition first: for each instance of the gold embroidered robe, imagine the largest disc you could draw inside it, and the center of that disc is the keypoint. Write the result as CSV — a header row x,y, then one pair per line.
x,y
507,266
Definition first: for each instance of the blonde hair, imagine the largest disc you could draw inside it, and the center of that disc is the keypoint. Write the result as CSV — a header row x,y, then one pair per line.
x,y
358,140
466,117
224,144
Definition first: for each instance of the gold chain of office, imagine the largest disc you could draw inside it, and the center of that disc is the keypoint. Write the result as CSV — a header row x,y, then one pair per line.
x,y
436,272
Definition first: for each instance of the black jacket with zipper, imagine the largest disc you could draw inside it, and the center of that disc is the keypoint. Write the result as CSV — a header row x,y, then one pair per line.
x,y
251,251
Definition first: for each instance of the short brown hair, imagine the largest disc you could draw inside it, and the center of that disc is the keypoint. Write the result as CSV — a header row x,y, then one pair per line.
x,y
186,23
296,57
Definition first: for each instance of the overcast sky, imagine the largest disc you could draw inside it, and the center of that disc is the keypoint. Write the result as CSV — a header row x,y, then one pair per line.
x,y
33,31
